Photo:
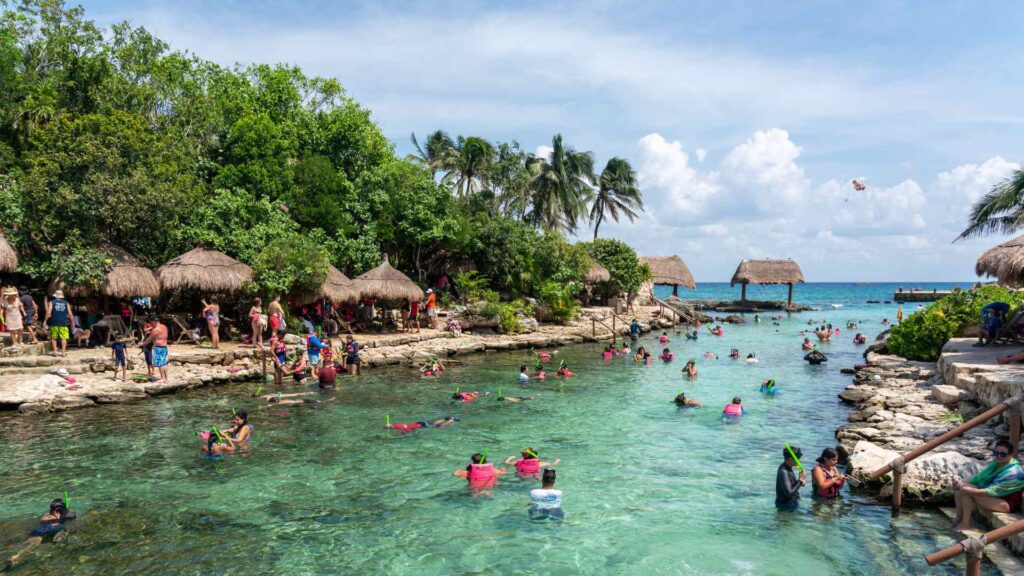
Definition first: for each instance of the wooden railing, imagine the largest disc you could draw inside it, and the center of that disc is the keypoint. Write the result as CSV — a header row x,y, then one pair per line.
x,y
974,547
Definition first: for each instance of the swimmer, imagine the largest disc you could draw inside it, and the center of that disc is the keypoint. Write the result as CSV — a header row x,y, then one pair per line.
x,y
285,399
683,402
524,375
546,502
690,369
609,352
480,473
226,445
757,319
885,321
240,430
710,354
564,372
647,358
540,374
734,353
716,331
530,464
859,339
808,345
641,353
692,335
433,367
516,399
667,355
814,357
664,339
468,396
735,408
437,423
50,526
624,349
751,359
768,386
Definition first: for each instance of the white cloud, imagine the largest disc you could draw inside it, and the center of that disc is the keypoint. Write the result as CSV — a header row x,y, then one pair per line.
x,y
764,170
701,154
713,230
543,151
669,181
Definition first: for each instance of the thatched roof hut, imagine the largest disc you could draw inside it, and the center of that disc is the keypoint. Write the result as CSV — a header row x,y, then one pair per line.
x,y
669,270
1005,262
128,277
386,283
8,257
767,272
337,288
205,270
597,273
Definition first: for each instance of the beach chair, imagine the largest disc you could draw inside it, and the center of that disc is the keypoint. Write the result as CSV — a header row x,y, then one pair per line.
x,y
184,332
1010,333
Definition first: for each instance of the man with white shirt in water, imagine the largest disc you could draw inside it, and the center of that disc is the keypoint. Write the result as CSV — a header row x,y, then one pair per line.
x,y
546,502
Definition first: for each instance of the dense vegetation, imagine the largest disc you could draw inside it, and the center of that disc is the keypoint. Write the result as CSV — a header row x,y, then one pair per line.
x,y
922,335
111,137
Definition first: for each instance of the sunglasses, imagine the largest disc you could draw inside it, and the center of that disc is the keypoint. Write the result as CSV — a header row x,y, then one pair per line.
x,y
1000,453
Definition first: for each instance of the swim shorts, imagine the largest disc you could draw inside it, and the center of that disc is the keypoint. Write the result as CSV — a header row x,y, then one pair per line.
x,y
159,356
59,333
314,357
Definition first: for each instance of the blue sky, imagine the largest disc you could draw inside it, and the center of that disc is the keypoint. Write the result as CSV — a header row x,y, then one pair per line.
x,y
745,121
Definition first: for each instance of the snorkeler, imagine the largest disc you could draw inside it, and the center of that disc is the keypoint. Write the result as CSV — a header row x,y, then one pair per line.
x,y
751,359
734,353
468,396
564,372
437,423
546,502
433,367
516,399
768,386
285,399
539,374
690,369
734,409
530,464
683,402
217,443
240,430
50,526
480,473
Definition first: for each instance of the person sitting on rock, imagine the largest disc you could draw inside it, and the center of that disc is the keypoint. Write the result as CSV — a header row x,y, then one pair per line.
x,y
992,318
996,488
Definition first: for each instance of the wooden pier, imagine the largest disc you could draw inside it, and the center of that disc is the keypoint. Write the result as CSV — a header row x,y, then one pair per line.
x,y
919,295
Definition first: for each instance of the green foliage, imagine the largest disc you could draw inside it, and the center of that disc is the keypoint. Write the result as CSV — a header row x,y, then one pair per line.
x,y
951,417
560,301
627,274
922,335
470,285
290,265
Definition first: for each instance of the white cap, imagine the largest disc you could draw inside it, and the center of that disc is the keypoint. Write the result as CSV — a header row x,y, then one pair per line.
x,y
62,372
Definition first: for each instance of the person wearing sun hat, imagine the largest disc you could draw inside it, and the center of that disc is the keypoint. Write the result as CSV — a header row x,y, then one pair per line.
x,y
14,314
59,322
432,308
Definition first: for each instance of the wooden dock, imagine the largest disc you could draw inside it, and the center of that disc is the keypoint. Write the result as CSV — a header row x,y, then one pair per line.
x,y
918,295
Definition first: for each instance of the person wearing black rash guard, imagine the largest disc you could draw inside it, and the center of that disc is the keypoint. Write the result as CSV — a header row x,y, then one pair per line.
x,y
787,484
50,525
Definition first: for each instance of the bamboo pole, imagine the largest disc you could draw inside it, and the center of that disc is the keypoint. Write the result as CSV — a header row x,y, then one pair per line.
x,y
897,491
991,537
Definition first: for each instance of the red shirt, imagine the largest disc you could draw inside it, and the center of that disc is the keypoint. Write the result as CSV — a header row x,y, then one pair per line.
x,y
414,308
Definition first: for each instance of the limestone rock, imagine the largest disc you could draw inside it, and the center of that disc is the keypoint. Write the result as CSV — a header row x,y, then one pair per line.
x,y
855,394
947,394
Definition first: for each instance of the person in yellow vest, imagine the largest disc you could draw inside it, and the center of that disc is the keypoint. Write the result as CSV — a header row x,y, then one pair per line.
x,y
899,314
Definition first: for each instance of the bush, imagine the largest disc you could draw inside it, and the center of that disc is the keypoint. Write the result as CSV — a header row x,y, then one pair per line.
x,y
560,301
922,335
295,264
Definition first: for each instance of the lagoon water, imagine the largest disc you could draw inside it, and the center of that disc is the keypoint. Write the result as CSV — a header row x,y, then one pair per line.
x,y
325,489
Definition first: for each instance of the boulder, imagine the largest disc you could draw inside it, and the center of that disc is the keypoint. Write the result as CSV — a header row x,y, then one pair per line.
x,y
947,394
33,408
856,394
927,477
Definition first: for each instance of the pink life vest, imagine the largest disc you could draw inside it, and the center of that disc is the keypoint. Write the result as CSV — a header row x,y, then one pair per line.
x,y
733,410
528,467
663,338
481,475
467,397
649,360
668,357
607,355
544,356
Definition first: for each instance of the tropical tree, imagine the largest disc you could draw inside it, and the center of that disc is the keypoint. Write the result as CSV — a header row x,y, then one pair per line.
x,y
435,150
468,164
616,194
561,186
1001,211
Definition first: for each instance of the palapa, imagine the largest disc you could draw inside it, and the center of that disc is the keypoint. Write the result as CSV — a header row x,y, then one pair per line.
x,y
8,257
386,283
205,270
669,270
1005,262
767,272
597,273
128,277
337,288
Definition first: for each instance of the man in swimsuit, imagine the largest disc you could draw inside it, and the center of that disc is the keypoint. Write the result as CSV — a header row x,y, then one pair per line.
x,y
158,338
60,322
276,312
438,423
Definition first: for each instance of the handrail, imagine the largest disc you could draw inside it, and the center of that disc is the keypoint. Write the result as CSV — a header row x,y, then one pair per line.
x,y
974,547
662,304
898,466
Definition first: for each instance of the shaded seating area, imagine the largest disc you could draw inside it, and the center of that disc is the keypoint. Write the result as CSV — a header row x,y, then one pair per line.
x,y
384,286
767,272
668,271
205,272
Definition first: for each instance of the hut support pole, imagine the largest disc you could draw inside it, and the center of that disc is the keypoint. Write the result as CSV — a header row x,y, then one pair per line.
x,y
593,327
615,334
743,292
1013,414
263,356
790,299
675,290
897,491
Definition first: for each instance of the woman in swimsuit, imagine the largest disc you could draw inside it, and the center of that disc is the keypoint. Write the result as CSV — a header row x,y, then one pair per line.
x,y
241,430
690,369
211,312
256,321
826,478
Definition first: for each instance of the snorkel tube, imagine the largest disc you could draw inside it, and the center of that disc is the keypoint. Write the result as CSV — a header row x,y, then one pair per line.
x,y
795,459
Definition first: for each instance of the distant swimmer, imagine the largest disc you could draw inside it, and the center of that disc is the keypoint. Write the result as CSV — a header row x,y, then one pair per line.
x,y
815,357
529,465
768,386
734,409
682,401
524,375
860,338
664,339
468,396
667,355
437,423
516,399
564,372
717,330
540,374
751,359
690,369
808,345
734,353
287,399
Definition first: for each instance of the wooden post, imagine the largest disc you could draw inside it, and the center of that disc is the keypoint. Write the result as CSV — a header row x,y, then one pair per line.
x,y
743,292
973,566
897,491
614,333
790,299
675,290
1014,416
593,327
263,355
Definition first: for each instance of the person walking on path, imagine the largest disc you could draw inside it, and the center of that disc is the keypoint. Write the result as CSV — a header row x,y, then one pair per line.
x,y
59,322
211,313
30,313
158,338
276,312
14,314
432,308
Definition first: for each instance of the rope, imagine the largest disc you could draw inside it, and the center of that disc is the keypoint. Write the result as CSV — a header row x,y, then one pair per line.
x,y
898,465
974,547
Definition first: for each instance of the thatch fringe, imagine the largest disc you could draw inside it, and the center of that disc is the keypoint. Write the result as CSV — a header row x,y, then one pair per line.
x,y
386,283
337,288
205,270
128,277
597,273
1005,262
768,272
8,257
670,270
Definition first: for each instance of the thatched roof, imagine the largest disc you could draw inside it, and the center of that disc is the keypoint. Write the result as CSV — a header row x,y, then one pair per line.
x,y
8,257
767,272
386,283
128,277
204,270
597,273
337,288
669,270
1005,262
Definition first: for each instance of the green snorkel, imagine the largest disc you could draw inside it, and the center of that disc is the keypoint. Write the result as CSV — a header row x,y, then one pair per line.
x,y
66,505
387,420
483,456
793,456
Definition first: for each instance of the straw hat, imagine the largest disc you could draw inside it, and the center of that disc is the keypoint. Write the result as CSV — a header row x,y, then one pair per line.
x,y
58,294
10,292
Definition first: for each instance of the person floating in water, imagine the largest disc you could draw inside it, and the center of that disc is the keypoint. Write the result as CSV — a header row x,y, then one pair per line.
x,y
468,396
516,399
433,367
692,335
217,443
787,483
480,474
751,359
51,528
540,374
564,372
546,502
860,338
437,423
735,408
529,465
808,345
768,386
683,402
664,339
667,355
286,399
716,331
690,369
524,373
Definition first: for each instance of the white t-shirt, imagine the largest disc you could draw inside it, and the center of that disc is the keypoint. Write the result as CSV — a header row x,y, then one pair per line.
x,y
523,377
546,499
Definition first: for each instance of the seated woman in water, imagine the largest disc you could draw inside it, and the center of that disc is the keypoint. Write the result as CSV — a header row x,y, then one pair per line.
x,y
667,355
808,345
468,396
437,423
530,464
240,429
50,529
751,359
768,386
997,487
641,353
690,369
564,372
827,479
734,409
480,473
683,402
546,502
860,338
516,399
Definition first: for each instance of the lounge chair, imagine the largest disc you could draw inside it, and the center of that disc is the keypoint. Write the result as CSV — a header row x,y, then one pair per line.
x,y
184,332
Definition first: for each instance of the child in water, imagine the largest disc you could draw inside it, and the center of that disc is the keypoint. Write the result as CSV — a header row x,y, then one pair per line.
x,y
530,464
734,353
50,529
540,374
734,408
217,443
524,374
546,502
437,423
667,355
768,386
480,473
433,367
564,372
664,339
641,353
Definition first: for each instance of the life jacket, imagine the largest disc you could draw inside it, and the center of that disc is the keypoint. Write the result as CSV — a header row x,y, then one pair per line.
x,y
528,467
466,397
733,410
481,475
663,338
668,357
309,345
544,356
833,490
649,360
607,355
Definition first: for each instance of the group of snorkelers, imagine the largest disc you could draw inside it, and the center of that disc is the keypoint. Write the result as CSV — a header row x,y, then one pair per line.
x,y
545,502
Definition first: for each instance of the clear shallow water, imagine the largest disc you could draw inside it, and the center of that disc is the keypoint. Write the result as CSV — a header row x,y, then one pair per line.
x,y
325,489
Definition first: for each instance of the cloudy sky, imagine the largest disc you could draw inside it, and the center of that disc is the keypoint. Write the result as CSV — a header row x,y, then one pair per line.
x,y
745,122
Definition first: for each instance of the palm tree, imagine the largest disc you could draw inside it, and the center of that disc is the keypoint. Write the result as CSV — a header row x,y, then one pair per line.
x,y
468,164
561,185
616,193
435,150
1001,211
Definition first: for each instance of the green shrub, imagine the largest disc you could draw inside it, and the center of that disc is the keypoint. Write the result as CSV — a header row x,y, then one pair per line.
x,y
922,335
560,301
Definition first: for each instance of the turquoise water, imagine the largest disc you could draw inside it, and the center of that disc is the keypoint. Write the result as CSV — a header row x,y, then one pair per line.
x,y
325,489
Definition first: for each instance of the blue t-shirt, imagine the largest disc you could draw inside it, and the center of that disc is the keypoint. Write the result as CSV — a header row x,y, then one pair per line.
x,y
59,312
118,348
353,349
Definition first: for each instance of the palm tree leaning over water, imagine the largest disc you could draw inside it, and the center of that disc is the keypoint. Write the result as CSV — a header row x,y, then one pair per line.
x,y
617,193
1001,211
435,150
561,187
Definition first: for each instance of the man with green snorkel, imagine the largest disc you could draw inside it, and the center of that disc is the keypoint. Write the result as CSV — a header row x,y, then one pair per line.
x,y
787,484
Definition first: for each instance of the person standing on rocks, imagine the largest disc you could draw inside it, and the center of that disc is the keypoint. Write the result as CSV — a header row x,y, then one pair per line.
x,y
276,311
59,322
787,483
211,313
30,313
158,338
432,308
